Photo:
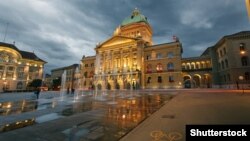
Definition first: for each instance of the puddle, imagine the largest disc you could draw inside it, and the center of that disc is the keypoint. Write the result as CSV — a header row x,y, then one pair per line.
x,y
17,107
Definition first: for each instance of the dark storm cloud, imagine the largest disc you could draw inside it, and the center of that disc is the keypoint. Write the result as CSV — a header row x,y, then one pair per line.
x,y
62,31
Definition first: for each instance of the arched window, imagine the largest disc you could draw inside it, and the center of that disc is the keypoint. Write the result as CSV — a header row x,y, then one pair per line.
x,y
226,63
197,65
170,66
192,66
244,61
222,65
159,67
170,55
149,68
183,66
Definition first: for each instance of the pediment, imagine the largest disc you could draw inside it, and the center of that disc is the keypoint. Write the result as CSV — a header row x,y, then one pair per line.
x,y
117,40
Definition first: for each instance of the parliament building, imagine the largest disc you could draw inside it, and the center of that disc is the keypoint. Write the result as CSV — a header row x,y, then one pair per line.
x,y
130,60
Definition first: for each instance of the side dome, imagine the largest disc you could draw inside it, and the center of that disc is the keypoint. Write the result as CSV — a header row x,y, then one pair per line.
x,y
136,17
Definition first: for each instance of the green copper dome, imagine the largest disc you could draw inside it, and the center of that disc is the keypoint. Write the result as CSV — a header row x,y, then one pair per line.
x,y
136,17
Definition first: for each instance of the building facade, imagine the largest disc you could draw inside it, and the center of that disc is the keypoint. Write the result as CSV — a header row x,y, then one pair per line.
x,y
87,72
56,76
18,68
231,61
130,60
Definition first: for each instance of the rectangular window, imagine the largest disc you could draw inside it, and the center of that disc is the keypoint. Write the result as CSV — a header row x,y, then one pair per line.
x,y
221,53
159,79
20,75
158,55
171,78
148,57
1,75
10,68
224,50
86,65
242,47
1,67
20,69
9,75
149,80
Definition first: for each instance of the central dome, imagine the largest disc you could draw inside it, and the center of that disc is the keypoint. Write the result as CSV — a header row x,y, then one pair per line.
x,y
136,17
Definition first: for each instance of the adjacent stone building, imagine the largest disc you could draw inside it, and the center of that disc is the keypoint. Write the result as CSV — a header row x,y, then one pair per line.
x,y
18,68
56,76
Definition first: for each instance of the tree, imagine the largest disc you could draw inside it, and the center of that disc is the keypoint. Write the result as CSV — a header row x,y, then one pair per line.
x,y
56,82
36,83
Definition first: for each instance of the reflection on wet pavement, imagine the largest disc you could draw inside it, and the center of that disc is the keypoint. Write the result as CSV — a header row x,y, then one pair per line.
x,y
116,115
17,125
118,119
17,107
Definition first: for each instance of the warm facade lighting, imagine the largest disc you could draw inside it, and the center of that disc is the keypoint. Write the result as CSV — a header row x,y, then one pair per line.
x,y
242,52
248,8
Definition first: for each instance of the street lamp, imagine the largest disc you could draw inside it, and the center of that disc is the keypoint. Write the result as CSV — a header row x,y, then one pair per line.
x,y
242,78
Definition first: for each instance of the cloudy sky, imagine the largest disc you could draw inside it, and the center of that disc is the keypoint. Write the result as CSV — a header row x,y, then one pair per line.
x,y
62,31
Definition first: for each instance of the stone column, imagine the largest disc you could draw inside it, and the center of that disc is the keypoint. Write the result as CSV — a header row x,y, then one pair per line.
x,y
121,60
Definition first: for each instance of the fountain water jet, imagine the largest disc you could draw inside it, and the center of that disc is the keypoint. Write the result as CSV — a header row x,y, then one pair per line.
x,y
62,89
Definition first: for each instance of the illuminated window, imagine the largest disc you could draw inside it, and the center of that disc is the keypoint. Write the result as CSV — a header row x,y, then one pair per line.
x,y
149,68
159,67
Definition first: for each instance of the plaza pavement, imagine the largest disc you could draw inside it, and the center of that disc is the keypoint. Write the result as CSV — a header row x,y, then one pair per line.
x,y
197,106
204,106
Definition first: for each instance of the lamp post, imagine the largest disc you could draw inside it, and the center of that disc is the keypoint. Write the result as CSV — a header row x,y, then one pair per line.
x,y
242,78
